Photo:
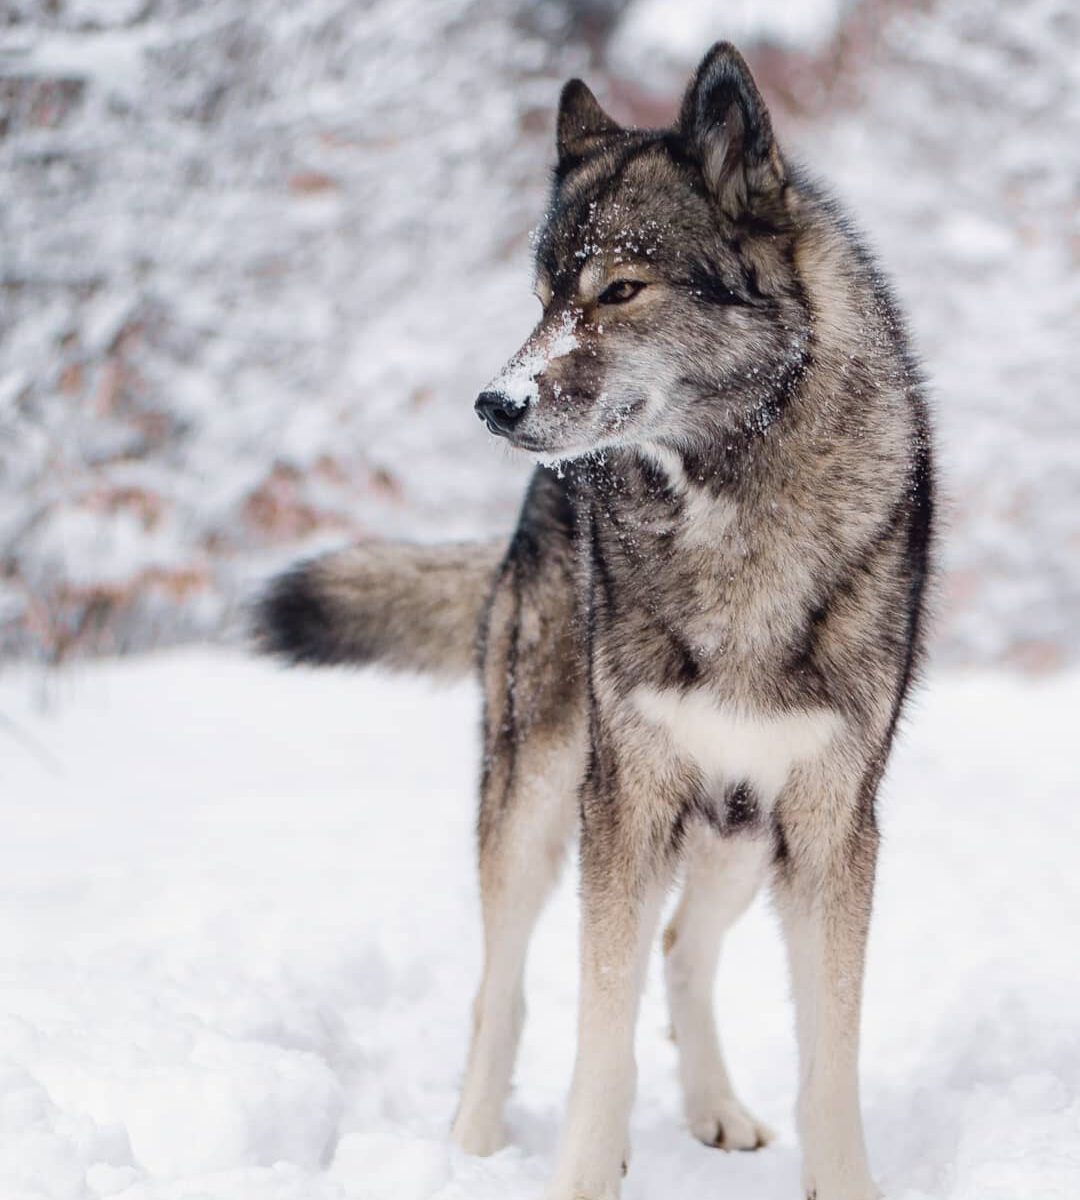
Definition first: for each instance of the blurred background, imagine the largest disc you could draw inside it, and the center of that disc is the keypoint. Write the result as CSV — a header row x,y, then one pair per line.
x,y
257,260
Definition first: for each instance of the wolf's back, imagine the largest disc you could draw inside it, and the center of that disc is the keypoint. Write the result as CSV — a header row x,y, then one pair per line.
x,y
408,607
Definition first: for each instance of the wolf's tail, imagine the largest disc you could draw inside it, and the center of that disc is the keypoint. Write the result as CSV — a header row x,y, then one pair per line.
x,y
408,607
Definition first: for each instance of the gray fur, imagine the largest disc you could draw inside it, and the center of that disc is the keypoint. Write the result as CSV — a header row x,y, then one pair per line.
x,y
704,630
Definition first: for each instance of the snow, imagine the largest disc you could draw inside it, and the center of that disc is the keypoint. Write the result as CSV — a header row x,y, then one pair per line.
x,y
517,381
239,936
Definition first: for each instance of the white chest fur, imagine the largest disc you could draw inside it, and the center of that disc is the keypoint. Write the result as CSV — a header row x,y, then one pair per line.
x,y
733,745
706,517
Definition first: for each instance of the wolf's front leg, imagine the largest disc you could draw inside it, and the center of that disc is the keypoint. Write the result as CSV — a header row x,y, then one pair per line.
x,y
521,848
824,890
534,760
622,889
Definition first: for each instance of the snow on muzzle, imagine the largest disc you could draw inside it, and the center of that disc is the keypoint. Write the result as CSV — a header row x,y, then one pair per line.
x,y
507,398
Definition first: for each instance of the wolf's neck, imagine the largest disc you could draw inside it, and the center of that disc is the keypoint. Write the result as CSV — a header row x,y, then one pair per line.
x,y
670,464
720,471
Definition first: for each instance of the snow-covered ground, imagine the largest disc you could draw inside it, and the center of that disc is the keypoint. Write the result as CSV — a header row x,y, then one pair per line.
x,y
239,936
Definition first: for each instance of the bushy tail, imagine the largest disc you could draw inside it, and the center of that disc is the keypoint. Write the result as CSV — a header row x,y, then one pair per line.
x,y
409,607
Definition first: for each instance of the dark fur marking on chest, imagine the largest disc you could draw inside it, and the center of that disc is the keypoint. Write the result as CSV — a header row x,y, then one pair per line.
x,y
741,807
781,850
735,811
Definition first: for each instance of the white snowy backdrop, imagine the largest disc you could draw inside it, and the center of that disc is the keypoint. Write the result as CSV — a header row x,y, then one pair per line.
x,y
255,262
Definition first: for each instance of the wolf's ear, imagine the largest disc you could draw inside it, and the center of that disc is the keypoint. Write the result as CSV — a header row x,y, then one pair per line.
x,y
580,120
726,124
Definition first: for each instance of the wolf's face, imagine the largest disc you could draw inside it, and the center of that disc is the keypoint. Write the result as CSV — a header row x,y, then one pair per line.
x,y
666,266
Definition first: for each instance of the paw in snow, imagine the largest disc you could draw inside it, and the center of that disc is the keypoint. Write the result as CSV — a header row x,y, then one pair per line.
x,y
479,1135
728,1126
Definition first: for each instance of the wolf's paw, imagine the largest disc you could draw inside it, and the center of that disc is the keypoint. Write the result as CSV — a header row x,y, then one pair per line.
x,y
478,1136
588,1183
728,1126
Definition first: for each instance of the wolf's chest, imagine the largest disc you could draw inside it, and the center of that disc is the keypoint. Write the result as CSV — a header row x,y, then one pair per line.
x,y
731,745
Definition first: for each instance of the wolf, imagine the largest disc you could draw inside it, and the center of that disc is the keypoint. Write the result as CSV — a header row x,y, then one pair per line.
x,y
696,646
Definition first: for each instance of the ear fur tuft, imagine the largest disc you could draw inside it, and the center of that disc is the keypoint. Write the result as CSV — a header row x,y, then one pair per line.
x,y
727,127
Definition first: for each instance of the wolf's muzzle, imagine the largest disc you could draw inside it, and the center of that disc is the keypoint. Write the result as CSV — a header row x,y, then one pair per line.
x,y
499,413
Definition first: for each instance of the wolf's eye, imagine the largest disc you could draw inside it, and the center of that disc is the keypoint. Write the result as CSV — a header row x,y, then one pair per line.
x,y
620,291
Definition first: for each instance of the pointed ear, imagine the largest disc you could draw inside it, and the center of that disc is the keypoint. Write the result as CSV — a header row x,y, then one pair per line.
x,y
727,127
580,120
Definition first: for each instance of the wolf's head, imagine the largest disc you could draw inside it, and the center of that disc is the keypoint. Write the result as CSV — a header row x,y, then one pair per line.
x,y
666,267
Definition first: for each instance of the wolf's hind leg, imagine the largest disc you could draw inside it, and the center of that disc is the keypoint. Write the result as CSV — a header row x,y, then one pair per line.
x,y
722,877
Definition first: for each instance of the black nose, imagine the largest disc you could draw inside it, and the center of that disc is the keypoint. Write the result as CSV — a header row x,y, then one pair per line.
x,y
498,412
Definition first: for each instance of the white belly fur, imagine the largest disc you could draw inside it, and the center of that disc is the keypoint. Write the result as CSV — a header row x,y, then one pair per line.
x,y
732,745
